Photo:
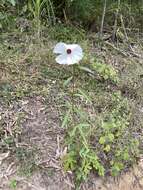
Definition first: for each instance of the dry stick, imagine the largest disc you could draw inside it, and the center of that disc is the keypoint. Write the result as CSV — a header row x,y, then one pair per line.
x,y
122,52
65,16
103,18
116,22
117,49
124,29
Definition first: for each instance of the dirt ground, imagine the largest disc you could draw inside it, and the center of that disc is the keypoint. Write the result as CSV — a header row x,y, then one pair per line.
x,y
41,130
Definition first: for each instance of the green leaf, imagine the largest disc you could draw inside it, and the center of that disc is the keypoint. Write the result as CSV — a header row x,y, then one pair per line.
x,y
66,82
111,137
69,161
126,156
13,2
66,118
82,134
107,148
101,171
84,152
116,168
13,184
83,94
102,140
86,69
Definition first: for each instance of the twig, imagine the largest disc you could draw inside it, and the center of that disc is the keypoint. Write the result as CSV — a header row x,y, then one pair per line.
x,y
124,29
115,48
135,54
3,156
65,16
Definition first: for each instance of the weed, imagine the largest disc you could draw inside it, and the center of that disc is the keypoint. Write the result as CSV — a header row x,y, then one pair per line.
x,y
6,21
101,137
102,143
13,184
37,8
81,158
105,71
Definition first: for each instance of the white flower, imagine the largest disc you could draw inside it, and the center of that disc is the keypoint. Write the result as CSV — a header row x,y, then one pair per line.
x,y
68,53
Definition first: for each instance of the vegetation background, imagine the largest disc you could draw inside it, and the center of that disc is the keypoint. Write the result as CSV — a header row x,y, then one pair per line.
x,y
64,126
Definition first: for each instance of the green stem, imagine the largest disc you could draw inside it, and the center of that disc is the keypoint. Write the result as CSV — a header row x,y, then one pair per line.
x,y
73,89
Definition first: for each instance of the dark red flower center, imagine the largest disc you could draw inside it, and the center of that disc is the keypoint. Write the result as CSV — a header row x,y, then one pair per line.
x,y
69,51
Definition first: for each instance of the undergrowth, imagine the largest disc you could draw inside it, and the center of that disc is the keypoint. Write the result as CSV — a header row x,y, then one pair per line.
x,y
100,138
97,116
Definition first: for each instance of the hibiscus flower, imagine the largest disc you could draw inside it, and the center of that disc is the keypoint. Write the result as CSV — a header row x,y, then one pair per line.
x,y
69,54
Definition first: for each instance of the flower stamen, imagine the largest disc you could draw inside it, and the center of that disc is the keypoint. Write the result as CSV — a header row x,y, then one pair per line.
x,y
69,51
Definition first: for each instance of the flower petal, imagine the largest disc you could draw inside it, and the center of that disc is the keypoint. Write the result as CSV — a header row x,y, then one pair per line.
x,y
77,57
74,47
60,48
78,50
64,59
69,60
77,53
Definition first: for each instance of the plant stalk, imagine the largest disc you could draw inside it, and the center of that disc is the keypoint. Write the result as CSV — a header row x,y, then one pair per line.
x,y
73,90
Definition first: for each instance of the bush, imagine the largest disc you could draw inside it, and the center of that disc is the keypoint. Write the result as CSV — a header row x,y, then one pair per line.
x,y
82,12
